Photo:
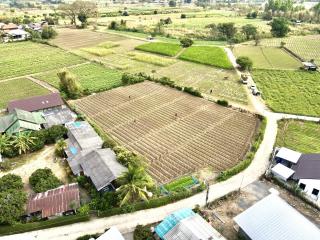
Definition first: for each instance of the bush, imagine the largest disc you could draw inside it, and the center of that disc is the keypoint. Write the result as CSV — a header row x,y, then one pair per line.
x,y
42,180
142,233
172,3
223,103
48,33
164,81
245,63
192,91
113,25
88,236
183,16
186,42
128,78
11,181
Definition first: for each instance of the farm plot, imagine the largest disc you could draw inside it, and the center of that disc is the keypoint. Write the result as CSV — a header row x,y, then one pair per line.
x,y
18,89
307,47
167,49
267,57
299,135
18,59
91,76
294,92
176,132
80,38
209,55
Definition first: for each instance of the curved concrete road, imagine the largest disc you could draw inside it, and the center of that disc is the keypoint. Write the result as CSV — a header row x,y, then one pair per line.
x,y
127,222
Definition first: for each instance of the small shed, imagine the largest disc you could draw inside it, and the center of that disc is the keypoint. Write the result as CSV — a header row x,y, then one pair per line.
x,y
287,156
17,35
282,172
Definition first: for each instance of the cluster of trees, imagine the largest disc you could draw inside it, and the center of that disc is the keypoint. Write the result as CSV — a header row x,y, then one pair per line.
x,y
48,32
80,10
12,199
24,142
69,85
43,180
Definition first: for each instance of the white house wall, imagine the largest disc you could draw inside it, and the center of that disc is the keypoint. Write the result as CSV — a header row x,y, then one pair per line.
x,y
310,185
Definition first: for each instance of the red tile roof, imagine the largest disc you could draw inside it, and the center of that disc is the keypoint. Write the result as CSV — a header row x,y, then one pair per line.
x,y
54,201
36,103
9,26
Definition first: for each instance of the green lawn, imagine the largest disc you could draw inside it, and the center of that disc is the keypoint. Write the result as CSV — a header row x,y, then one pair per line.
x,y
18,89
299,135
267,57
93,77
294,92
18,59
214,56
167,49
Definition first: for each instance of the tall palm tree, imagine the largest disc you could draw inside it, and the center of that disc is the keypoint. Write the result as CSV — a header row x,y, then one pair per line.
x,y
4,143
23,142
134,185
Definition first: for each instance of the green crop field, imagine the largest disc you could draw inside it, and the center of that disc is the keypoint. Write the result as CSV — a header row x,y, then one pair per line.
x,y
294,92
214,56
167,49
18,59
299,135
267,57
307,47
93,77
18,89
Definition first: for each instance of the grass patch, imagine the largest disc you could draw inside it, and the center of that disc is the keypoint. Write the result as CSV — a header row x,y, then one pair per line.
x,y
180,183
294,92
18,89
167,49
98,51
214,56
93,77
153,59
27,227
18,59
267,57
108,44
300,136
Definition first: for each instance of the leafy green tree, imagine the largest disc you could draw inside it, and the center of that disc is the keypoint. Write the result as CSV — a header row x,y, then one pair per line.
x,y
11,205
59,147
186,42
227,29
68,84
10,181
48,33
83,18
316,10
279,27
142,232
244,62
134,185
4,143
249,31
23,142
43,179
172,3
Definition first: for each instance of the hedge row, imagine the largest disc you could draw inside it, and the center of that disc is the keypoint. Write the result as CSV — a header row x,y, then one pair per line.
x,y
26,227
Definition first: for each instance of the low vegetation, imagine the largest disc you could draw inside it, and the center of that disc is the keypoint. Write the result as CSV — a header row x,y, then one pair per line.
x,y
300,136
180,184
43,180
294,92
152,59
214,56
18,89
167,49
98,51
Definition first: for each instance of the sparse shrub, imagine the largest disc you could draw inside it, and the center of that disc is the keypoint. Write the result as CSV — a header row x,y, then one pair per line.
x,y
223,103
186,42
192,91
183,16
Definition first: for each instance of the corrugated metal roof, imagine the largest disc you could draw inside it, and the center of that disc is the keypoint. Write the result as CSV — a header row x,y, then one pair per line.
x,y
273,218
288,154
59,117
308,167
172,220
282,171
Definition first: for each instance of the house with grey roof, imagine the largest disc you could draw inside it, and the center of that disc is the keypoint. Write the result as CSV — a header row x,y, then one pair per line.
x,y
273,218
58,117
20,121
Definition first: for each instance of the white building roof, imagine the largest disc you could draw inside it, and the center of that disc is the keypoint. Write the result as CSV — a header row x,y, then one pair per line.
x,y
288,154
112,234
273,218
193,227
283,171
16,32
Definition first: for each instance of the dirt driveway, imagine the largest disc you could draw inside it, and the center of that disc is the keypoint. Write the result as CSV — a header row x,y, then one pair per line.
x,y
42,159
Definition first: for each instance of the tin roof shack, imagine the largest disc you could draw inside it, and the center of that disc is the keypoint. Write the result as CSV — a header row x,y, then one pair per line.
x,y
287,157
273,218
55,202
185,224
37,103
58,117
16,35
20,120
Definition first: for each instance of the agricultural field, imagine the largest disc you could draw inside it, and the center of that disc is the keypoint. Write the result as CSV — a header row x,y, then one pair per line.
x,y
267,57
208,55
294,92
307,47
167,49
93,77
18,89
299,135
152,59
18,59
177,133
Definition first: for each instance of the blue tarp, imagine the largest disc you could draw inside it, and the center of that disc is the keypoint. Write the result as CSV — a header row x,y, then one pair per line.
x,y
77,124
73,150
172,220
